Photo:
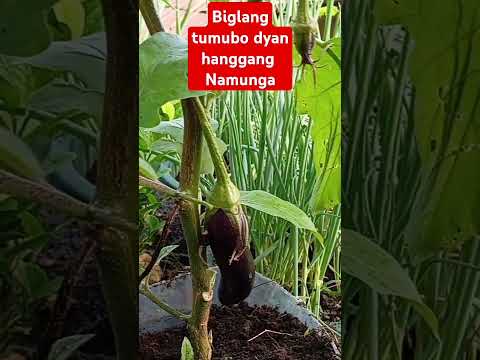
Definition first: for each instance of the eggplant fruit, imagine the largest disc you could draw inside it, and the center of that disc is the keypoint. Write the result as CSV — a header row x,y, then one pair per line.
x,y
228,238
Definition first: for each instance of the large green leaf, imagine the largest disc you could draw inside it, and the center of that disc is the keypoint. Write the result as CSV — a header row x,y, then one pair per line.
x,y
146,169
368,262
84,57
23,25
327,189
163,75
59,98
31,82
272,205
27,79
174,129
319,96
446,216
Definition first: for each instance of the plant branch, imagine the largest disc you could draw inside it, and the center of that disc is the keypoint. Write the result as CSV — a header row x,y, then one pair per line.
x,y
145,290
149,13
117,181
44,116
209,134
45,194
164,189
163,239
303,12
203,278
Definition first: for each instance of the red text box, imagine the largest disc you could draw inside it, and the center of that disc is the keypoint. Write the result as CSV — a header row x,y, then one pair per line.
x,y
240,49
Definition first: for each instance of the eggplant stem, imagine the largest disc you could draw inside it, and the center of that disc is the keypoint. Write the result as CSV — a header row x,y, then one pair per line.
x,y
145,290
220,168
302,12
168,191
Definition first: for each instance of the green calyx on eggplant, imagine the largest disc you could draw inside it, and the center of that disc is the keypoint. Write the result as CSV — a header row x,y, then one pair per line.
x,y
228,237
225,195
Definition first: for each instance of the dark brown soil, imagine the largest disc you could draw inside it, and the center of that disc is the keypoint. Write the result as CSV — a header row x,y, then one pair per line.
x,y
79,307
237,335
331,308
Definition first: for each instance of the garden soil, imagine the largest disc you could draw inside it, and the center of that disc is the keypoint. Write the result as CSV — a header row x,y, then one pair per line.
x,y
239,333
79,307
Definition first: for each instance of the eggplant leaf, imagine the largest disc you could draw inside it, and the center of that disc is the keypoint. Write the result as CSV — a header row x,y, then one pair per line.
x,y
16,157
163,75
318,96
368,262
146,169
272,205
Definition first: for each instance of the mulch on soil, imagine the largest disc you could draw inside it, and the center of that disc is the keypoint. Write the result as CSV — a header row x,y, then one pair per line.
x,y
239,334
331,308
79,307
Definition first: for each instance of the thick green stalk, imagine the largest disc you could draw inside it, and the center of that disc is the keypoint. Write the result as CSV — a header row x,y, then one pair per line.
x,y
225,194
145,290
220,169
149,13
117,184
45,194
168,191
203,279
303,12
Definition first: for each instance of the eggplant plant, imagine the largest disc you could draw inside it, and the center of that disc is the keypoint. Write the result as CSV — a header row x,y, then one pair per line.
x,y
224,221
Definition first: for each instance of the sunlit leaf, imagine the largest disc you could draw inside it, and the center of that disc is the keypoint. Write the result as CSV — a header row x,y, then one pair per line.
x,y
187,350
174,129
163,75
146,169
165,251
272,205
319,96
